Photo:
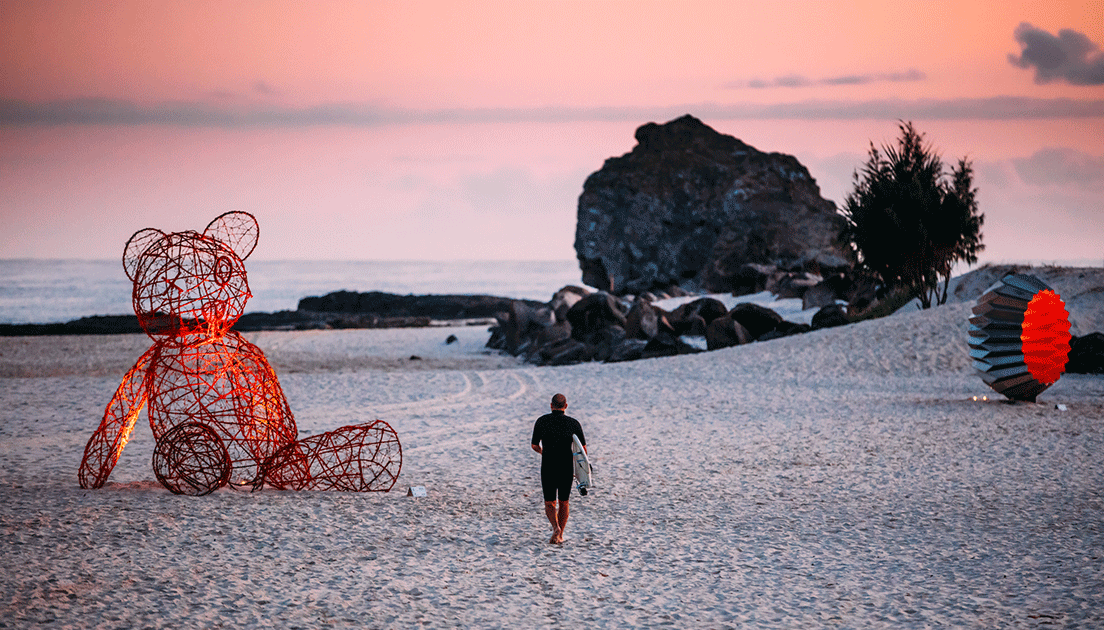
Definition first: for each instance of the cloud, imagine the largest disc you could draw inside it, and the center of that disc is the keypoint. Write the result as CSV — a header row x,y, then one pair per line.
x,y
798,81
247,115
1071,56
265,89
1062,167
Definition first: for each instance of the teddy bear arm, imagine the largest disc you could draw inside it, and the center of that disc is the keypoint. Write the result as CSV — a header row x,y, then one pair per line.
x,y
107,442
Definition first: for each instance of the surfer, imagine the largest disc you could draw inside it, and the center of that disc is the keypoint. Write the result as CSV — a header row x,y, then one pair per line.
x,y
552,439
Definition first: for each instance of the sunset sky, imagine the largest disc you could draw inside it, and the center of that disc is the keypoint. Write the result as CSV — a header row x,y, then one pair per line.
x,y
465,130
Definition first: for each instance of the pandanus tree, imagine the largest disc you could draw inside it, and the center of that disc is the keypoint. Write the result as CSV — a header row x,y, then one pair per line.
x,y
908,221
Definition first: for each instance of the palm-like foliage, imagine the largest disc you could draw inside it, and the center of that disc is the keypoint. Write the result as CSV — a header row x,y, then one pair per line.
x,y
908,222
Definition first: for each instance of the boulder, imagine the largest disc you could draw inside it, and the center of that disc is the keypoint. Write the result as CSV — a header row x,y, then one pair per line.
x,y
820,295
829,316
593,313
564,299
725,332
757,320
1086,354
524,322
627,350
794,285
642,320
692,318
607,340
666,344
785,329
752,278
567,352
689,206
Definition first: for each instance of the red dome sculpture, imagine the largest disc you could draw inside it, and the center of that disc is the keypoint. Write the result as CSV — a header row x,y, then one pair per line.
x,y
214,403
1019,337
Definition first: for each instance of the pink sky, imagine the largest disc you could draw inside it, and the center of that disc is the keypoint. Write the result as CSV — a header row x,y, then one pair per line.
x,y
414,130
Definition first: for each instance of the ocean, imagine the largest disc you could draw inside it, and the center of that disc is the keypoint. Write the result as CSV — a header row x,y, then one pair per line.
x,y
52,291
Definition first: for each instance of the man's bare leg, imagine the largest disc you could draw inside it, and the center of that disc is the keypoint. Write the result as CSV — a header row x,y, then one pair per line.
x,y
561,520
550,512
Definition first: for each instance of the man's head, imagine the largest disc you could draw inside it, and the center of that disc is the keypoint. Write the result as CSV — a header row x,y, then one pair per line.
x,y
559,402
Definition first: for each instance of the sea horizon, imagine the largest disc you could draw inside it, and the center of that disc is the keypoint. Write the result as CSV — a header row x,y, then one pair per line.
x,y
46,291
58,290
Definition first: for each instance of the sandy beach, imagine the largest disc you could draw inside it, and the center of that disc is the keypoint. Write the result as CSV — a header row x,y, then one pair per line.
x,y
842,478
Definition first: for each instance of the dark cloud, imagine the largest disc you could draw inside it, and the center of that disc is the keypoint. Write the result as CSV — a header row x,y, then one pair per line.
x,y
1062,167
219,114
1071,56
266,89
798,81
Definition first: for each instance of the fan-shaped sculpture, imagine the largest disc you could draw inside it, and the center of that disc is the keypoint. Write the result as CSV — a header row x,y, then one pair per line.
x,y
214,403
1019,337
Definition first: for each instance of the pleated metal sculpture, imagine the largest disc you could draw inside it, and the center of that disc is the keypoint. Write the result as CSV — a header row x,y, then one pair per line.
x,y
1019,337
214,403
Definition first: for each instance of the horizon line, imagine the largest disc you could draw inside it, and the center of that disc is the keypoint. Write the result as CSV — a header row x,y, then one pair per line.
x,y
122,112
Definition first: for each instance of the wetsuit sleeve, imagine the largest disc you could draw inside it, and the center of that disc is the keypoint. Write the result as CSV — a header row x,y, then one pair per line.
x,y
579,432
536,432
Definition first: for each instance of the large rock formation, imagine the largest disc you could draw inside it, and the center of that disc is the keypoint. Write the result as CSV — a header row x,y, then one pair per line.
x,y
690,207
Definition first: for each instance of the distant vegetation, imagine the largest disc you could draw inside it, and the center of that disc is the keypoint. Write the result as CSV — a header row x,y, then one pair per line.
x,y
909,222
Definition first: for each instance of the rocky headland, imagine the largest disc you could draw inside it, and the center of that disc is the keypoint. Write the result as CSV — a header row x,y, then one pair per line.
x,y
693,208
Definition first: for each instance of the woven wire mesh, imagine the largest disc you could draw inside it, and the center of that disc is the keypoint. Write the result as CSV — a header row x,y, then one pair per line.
x,y
212,398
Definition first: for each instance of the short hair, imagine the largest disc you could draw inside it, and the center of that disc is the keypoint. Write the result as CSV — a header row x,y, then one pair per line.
x,y
559,401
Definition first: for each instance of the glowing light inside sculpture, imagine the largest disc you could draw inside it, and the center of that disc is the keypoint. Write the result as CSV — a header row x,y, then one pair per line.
x,y
1046,337
1019,337
214,403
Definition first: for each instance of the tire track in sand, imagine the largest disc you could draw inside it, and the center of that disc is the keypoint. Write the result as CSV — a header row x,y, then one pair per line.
x,y
487,390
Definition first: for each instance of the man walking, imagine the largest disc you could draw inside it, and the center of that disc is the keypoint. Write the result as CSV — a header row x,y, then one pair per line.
x,y
552,439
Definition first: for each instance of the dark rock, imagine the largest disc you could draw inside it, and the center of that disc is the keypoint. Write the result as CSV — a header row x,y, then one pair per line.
x,y
1086,354
785,329
568,352
708,309
593,313
392,305
525,321
451,339
642,320
415,357
666,344
607,340
564,299
725,332
830,316
627,350
553,334
794,285
823,294
751,278
95,325
758,320
690,207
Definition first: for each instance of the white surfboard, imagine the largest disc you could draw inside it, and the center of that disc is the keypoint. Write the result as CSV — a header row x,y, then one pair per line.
x,y
582,466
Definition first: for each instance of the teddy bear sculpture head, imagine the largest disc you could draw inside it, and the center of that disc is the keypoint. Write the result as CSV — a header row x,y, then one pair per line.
x,y
188,284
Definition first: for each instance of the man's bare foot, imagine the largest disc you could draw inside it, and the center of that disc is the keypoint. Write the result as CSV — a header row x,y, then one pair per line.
x,y
557,538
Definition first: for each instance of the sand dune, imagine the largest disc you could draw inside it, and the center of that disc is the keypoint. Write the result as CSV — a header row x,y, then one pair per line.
x,y
842,478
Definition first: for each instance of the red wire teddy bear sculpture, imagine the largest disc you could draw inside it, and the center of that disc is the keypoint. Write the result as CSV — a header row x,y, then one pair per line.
x,y
214,403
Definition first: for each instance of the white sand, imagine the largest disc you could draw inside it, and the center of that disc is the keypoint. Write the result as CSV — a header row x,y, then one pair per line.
x,y
842,478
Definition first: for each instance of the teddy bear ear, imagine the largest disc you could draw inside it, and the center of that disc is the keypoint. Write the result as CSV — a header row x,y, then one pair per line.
x,y
139,242
237,230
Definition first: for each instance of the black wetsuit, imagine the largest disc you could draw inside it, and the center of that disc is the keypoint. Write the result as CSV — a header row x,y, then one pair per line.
x,y
553,432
